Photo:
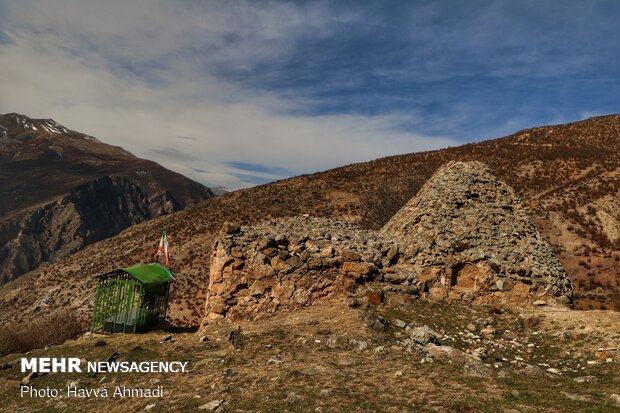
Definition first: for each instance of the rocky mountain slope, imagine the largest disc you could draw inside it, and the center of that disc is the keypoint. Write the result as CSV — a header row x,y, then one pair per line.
x,y
568,177
62,190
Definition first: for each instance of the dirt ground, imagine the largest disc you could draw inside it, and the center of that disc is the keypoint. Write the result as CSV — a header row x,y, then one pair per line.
x,y
326,358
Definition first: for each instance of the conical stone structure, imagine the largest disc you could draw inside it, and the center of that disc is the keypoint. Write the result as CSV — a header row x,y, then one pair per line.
x,y
466,235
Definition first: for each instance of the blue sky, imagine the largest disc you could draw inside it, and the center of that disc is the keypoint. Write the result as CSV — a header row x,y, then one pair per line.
x,y
241,93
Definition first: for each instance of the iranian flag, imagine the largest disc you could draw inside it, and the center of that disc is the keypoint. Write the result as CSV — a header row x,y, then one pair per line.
x,y
162,249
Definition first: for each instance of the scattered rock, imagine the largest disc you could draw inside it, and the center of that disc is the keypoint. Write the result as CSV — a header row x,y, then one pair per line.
x,y
150,406
100,343
29,378
359,345
380,351
540,303
234,338
374,321
337,341
166,338
439,352
73,383
422,335
212,406
399,323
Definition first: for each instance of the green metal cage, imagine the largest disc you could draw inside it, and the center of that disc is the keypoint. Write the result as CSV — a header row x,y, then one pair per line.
x,y
132,299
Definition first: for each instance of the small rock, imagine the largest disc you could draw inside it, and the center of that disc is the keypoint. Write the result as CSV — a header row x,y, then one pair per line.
x,y
274,361
392,252
423,335
553,370
359,345
29,378
582,379
212,406
337,341
488,331
471,327
540,303
150,406
399,323
615,398
441,353
514,393
73,383
203,339
166,338
100,343
381,350
234,337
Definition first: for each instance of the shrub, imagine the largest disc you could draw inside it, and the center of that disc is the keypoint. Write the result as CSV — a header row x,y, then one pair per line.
x,y
54,329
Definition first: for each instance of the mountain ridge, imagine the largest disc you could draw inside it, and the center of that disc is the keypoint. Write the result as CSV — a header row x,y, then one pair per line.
x,y
560,172
55,180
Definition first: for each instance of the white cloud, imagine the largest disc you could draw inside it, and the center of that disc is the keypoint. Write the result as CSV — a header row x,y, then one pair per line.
x,y
137,74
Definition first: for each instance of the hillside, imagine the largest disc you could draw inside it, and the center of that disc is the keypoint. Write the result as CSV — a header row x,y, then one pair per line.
x,y
568,177
62,190
326,358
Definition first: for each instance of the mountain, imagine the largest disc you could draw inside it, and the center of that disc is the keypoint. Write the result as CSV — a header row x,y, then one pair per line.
x,y
219,190
62,190
567,176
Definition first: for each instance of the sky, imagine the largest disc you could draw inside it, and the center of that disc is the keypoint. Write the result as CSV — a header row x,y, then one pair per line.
x,y
237,93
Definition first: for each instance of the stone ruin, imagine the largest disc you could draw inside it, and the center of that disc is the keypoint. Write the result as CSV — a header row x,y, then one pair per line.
x,y
466,235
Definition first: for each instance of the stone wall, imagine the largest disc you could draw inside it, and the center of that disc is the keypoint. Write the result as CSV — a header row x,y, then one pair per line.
x,y
289,263
465,235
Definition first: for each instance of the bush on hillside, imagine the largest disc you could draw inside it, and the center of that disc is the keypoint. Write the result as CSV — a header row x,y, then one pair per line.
x,y
54,329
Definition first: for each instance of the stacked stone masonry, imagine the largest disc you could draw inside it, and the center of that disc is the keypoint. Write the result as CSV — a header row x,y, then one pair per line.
x,y
465,235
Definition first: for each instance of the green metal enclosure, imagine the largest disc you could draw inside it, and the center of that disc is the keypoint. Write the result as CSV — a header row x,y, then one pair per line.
x,y
132,299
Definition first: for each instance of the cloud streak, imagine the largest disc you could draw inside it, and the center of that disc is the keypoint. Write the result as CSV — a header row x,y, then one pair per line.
x,y
240,93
